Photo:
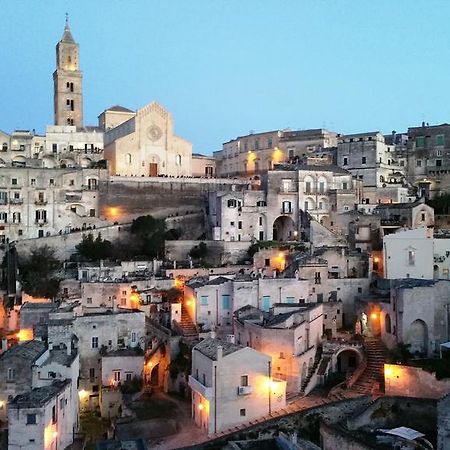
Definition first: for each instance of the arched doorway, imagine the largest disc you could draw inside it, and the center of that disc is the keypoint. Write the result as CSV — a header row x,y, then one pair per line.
x,y
347,361
154,375
283,229
417,337
387,323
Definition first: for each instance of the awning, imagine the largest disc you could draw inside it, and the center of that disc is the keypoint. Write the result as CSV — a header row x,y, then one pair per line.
x,y
403,432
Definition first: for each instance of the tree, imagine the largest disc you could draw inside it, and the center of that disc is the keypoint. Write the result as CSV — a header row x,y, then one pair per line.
x,y
38,272
199,251
149,235
92,249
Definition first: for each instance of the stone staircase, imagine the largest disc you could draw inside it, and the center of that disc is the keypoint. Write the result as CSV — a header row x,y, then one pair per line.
x,y
311,370
188,328
372,379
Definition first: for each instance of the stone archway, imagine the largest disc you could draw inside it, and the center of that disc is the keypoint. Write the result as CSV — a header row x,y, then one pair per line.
x,y
283,229
417,337
347,360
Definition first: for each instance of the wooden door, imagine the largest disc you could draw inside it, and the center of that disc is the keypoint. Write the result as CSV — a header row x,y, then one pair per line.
x,y
153,170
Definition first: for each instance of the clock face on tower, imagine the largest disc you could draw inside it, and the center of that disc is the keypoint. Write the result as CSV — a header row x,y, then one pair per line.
x,y
154,132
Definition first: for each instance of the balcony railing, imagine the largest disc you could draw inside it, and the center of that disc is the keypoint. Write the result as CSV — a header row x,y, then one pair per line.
x,y
90,187
16,201
41,222
196,386
244,390
40,202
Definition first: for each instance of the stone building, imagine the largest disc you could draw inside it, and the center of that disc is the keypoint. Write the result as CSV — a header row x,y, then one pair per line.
x,y
427,156
370,159
16,371
231,385
43,418
41,202
256,153
417,253
145,145
67,81
290,196
290,334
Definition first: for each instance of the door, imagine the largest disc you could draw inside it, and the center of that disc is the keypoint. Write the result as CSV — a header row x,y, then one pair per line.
x,y
266,303
153,169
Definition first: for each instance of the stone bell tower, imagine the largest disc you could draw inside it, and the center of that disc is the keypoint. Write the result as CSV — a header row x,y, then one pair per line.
x,y
67,81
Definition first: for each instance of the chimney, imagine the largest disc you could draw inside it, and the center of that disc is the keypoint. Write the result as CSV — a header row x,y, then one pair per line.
x,y
219,352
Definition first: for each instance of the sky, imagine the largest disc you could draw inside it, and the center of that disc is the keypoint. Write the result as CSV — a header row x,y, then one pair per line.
x,y
225,67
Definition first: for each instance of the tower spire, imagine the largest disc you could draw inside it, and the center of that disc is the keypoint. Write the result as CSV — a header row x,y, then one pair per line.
x,y
67,35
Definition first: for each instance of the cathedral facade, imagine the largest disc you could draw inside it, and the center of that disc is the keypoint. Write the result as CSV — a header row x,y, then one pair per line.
x,y
146,145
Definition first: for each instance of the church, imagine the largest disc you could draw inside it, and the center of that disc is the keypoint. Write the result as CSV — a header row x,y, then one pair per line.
x,y
136,143
143,143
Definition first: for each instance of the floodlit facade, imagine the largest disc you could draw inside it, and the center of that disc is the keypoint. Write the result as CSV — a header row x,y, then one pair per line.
x,y
145,145
232,385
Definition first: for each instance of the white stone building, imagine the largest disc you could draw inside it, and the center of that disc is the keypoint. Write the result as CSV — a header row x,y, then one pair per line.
x,y
417,253
290,334
94,334
43,202
145,145
43,418
231,385
121,366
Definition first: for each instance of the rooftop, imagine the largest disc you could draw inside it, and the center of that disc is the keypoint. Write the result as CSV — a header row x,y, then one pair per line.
x,y
118,108
39,396
61,357
209,346
30,351
125,352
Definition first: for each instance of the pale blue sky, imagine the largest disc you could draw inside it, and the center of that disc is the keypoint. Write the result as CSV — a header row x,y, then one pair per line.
x,y
224,67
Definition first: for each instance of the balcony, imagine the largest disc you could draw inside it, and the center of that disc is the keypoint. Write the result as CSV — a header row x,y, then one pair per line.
x,y
286,211
40,201
244,390
73,197
16,201
90,187
3,201
196,386
41,222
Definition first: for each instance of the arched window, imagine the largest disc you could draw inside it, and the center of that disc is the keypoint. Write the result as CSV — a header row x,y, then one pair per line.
x,y
178,160
387,323
4,147
381,179
128,158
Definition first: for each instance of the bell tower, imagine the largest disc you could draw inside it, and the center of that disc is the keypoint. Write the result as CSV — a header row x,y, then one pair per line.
x,y
67,81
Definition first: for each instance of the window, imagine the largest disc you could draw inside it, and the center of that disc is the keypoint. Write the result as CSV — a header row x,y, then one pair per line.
x,y
31,419
5,147
244,380
3,217
260,221
133,336
117,375
178,160
411,257
306,206
440,140
231,224
256,144
240,225
232,203
226,303
419,163
54,148
360,290
94,342
345,162
344,185
33,182
420,141
128,376
128,158
290,299
54,414
321,187
261,235
363,160
286,207
438,162
308,187
439,152
267,262
204,300
11,376
14,181
422,217
269,143
317,279
242,412
51,182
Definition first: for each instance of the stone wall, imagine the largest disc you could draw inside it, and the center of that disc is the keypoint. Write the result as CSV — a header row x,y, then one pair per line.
x,y
413,382
124,198
219,252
